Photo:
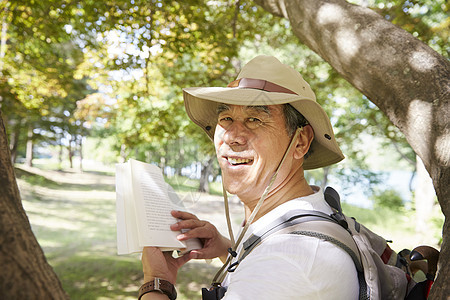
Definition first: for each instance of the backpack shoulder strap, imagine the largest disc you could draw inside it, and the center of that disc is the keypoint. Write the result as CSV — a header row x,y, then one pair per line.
x,y
305,222
329,232
341,238
288,220
313,224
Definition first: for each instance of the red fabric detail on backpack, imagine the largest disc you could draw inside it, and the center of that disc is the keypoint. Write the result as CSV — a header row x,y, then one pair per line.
x,y
429,284
386,254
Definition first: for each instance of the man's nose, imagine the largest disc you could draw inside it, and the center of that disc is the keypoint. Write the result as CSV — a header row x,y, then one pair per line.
x,y
236,134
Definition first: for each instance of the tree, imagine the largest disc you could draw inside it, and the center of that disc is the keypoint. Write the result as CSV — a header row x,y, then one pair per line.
x,y
173,45
37,64
35,58
193,44
25,272
405,78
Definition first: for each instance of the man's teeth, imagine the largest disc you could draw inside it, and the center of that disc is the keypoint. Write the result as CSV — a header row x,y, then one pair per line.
x,y
235,161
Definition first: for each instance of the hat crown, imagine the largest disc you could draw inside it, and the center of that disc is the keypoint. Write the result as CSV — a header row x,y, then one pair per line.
x,y
269,68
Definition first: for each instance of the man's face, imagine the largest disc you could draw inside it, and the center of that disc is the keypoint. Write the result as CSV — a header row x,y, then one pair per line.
x,y
250,142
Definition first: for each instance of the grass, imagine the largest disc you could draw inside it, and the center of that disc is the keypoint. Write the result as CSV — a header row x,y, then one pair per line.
x,y
398,226
73,217
183,184
75,225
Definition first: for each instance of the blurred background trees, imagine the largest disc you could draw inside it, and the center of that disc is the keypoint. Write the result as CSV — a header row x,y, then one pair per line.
x,y
102,80
110,74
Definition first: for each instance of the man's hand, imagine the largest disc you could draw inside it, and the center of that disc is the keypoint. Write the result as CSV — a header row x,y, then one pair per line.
x,y
214,244
160,264
156,263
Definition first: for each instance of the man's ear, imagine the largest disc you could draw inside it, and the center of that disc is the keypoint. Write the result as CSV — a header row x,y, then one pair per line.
x,y
304,141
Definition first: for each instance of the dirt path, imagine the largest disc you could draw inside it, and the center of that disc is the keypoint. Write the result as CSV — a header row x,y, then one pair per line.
x,y
71,177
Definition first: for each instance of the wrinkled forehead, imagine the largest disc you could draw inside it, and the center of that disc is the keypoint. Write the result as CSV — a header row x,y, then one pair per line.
x,y
267,109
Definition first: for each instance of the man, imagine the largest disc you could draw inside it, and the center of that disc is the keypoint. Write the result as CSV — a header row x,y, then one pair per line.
x,y
267,129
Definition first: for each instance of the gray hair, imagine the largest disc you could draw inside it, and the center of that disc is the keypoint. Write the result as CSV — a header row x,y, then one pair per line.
x,y
293,120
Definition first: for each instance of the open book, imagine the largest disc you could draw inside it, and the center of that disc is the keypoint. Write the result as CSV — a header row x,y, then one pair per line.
x,y
143,205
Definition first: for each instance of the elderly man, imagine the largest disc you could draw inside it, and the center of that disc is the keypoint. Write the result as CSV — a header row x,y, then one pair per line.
x,y
267,129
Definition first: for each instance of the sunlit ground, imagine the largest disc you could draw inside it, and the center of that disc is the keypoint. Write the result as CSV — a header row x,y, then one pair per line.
x,y
73,217
75,225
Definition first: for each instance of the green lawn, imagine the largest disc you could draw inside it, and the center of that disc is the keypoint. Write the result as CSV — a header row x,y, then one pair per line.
x,y
73,218
75,225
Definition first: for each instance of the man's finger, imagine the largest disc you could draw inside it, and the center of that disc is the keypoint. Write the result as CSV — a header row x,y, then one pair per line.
x,y
202,254
168,254
188,224
199,232
183,259
183,215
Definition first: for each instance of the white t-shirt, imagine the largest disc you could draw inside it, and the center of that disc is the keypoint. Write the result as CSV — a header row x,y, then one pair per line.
x,y
290,266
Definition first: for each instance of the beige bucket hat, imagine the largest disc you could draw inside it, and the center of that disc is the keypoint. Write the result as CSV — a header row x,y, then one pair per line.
x,y
266,81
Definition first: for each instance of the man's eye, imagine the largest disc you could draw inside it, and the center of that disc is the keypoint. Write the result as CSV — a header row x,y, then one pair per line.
x,y
225,121
253,122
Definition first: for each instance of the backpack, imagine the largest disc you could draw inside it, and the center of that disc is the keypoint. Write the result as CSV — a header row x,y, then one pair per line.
x,y
382,273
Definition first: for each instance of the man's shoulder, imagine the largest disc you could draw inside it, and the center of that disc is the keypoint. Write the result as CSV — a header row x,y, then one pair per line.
x,y
298,261
294,247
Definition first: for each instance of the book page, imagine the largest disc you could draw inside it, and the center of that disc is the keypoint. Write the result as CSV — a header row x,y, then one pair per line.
x,y
177,204
122,245
153,207
127,228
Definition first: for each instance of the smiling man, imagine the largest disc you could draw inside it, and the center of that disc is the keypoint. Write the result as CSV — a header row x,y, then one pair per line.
x,y
249,148
267,129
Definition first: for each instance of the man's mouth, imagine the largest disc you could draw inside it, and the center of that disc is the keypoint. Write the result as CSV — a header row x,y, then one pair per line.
x,y
239,161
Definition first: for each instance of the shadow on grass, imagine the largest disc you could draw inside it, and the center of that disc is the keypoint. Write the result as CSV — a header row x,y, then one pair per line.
x,y
114,277
77,232
194,276
101,173
39,180
94,277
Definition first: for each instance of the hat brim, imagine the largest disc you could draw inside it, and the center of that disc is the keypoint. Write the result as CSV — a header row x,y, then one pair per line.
x,y
201,106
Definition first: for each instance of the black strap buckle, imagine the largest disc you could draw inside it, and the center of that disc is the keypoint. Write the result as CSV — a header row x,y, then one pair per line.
x,y
232,252
215,292
233,267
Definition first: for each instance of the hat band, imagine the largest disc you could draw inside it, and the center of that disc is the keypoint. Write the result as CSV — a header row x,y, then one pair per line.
x,y
260,85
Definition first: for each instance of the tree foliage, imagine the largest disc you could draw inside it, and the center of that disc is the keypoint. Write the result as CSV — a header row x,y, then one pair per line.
x,y
138,55
115,69
144,53
388,198
38,59
405,78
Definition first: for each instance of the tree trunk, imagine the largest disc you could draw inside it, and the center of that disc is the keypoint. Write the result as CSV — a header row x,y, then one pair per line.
x,y
70,150
423,197
324,184
181,156
80,148
60,154
405,78
206,171
162,164
123,153
24,272
14,143
29,153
